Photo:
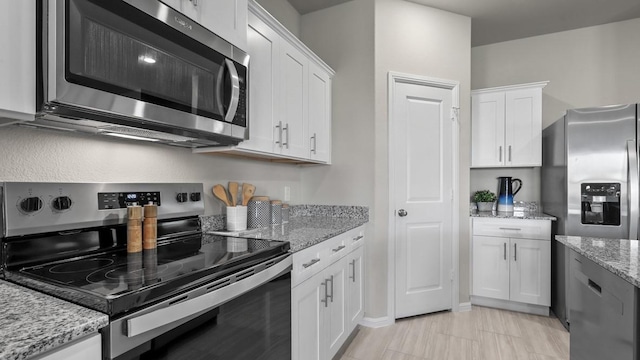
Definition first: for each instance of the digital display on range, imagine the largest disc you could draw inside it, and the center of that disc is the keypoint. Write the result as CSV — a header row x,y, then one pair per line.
x,y
120,200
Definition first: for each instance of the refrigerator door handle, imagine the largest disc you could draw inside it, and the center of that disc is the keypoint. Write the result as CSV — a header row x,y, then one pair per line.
x,y
634,188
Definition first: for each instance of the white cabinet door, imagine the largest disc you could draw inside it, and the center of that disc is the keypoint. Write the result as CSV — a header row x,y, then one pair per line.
x,y
491,267
307,319
523,138
191,9
89,348
319,114
264,50
487,126
355,310
175,4
227,19
17,61
292,136
337,306
530,271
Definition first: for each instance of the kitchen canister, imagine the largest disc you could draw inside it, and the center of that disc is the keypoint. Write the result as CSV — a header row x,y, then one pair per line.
x,y
236,218
276,212
258,212
285,213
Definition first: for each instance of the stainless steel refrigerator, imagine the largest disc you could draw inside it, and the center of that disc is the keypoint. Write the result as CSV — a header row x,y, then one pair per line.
x,y
590,183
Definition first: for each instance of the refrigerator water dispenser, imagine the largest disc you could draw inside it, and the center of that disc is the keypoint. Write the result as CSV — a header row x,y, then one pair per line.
x,y
600,203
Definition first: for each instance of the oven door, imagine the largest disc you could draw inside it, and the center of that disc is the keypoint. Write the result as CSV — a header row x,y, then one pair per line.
x,y
141,59
242,318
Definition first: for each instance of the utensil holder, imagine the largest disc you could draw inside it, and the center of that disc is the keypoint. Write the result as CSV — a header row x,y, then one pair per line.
x,y
236,218
258,214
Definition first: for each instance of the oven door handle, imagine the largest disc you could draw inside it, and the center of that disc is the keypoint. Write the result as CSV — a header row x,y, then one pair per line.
x,y
172,313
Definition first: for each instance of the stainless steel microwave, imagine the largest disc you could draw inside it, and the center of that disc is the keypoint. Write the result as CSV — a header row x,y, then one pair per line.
x,y
138,69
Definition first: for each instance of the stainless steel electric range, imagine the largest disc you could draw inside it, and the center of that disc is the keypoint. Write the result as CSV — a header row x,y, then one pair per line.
x,y
195,296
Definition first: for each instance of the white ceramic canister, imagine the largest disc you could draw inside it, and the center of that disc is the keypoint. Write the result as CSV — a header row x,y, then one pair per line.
x,y
258,212
236,218
276,212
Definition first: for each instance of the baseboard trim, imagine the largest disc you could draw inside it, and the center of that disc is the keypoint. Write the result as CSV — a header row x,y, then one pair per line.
x,y
462,307
377,322
510,305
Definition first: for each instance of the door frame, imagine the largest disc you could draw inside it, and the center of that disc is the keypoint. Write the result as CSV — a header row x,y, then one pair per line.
x,y
454,86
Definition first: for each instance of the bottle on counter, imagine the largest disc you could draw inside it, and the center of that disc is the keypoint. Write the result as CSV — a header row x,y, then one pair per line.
x,y
134,228
150,230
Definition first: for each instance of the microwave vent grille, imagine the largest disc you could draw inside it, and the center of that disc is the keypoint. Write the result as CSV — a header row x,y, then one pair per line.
x,y
125,130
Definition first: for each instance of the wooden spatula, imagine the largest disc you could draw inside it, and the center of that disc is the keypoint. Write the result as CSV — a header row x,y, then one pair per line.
x,y
247,193
233,190
221,193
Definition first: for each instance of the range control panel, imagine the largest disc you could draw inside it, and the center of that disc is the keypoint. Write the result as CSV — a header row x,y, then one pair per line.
x,y
121,200
32,208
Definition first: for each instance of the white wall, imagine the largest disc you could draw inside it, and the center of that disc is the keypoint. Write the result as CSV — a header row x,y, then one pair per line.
x,y
41,155
286,14
586,67
415,39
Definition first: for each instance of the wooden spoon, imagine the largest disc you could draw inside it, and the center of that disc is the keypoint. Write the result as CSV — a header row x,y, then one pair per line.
x,y
247,193
233,190
221,193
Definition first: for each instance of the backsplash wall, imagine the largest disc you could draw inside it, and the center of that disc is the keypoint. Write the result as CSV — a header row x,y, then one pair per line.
x,y
482,179
49,156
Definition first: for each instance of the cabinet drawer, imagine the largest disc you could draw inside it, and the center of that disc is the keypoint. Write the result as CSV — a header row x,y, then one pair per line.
x,y
308,262
513,228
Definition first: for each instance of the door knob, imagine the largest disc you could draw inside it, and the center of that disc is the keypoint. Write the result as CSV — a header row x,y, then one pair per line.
x,y
402,212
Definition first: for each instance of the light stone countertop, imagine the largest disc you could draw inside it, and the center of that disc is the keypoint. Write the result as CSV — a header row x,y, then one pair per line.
x,y
621,257
511,215
308,225
32,323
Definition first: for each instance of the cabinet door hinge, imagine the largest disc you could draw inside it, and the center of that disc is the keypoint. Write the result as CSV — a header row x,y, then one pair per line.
x,y
451,275
455,113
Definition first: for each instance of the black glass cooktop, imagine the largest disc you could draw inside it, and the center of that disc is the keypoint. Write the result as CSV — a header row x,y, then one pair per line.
x,y
116,282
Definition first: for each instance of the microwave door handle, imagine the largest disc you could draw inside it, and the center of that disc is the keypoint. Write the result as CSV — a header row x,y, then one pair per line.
x,y
634,188
220,91
235,91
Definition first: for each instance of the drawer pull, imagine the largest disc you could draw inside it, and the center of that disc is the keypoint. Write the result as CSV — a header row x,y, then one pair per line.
x,y
512,229
339,248
310,263
357,238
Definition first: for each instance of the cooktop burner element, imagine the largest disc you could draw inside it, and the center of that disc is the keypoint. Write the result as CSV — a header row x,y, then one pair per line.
x,y
80,266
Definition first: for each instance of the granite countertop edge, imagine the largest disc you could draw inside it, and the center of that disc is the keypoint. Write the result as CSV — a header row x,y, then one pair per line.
x,y
620,264
33,323
523,215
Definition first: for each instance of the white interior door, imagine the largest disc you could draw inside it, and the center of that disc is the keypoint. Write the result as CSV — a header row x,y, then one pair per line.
x,y
423,178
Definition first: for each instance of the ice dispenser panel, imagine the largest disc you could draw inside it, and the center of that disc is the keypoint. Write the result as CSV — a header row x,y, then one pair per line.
x,y
600,203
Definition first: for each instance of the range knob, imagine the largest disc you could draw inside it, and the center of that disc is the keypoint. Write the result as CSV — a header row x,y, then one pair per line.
x,y
61,203
195,196
31,204
182,197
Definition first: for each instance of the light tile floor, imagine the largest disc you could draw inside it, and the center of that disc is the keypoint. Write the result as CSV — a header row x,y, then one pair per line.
x,y
479,334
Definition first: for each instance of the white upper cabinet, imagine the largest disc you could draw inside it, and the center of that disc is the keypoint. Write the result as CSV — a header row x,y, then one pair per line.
x,y
506,126
17,61
227,19
289,97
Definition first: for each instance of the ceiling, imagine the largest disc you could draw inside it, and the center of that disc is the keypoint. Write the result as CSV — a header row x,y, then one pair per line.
x,y
502,20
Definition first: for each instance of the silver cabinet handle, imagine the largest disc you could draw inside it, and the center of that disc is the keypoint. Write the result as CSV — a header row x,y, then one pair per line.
x,y
505,250
279,127
326,294
313,261
515,252
508,228
402,213
194,2
509,153
353,263
286,128
339,248
359,237
331,279
313,149
500,153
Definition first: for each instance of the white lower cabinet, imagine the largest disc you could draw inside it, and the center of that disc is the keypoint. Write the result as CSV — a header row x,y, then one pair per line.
x,y
88,348
511,263
327,306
